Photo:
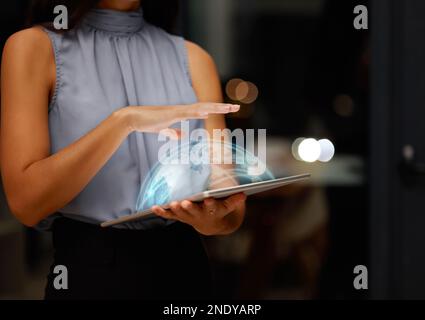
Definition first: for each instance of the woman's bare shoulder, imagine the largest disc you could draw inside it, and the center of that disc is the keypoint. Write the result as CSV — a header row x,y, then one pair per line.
x,y
28,53
198,56
27,46
29,39
203,72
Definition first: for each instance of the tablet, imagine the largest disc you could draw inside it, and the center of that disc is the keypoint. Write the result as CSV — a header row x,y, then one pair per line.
x,y
248,189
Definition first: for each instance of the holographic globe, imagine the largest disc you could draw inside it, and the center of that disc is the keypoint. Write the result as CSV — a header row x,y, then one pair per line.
x,y
189,168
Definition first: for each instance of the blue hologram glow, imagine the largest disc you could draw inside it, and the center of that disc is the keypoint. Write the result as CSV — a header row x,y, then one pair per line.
x,y
171,180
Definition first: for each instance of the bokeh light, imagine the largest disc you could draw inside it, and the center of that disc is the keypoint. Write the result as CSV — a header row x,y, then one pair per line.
x,y
242,91
295,146
327,150
231,88
343,105
252,94
309,150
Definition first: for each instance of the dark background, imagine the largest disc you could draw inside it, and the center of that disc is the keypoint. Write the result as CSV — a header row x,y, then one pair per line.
x,y
317,77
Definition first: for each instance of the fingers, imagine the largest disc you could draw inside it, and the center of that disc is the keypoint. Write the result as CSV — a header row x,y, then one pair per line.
x,y
183,211
220,108
187,211
230,204
221,208
202,110
166,214
179,212
211,206
191,207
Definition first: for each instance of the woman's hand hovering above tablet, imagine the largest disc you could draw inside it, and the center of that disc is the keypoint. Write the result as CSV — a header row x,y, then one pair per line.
x,y
211,217
157,118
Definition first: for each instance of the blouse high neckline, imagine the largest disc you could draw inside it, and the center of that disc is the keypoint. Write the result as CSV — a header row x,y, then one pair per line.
x,y
115,21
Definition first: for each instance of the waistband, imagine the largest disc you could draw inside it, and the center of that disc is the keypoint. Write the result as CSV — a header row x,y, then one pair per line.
x,y
72,233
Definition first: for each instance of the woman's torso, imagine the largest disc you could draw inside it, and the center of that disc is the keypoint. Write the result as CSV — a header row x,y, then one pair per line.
x,y
112,60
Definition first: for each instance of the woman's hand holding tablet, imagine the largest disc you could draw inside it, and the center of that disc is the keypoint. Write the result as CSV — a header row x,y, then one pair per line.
x,y
234,195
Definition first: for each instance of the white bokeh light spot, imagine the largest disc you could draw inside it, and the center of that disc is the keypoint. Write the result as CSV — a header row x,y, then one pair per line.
x,y
327,150
309,150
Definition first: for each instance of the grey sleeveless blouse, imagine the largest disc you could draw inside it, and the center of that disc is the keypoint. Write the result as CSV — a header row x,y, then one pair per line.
x,y
111,60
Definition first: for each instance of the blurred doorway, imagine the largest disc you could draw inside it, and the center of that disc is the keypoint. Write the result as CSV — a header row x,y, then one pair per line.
x,y
397,147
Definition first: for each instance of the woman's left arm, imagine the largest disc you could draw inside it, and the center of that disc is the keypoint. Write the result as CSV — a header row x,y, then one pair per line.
x,y
212,217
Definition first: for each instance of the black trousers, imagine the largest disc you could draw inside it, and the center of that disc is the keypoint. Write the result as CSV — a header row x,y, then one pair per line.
x,y
108,263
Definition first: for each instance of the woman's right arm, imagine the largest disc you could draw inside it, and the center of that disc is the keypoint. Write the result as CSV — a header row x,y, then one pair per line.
x,y
37,183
